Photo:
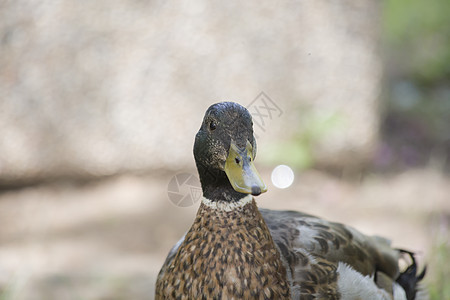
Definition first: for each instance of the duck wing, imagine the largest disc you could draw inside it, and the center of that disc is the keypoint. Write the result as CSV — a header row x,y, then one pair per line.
x,y
313,249
170,257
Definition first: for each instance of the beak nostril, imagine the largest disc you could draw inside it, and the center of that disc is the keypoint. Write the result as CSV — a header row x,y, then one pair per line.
x,y
237,160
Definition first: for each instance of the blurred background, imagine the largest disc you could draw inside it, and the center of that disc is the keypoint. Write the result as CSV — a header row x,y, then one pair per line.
x,y
101,100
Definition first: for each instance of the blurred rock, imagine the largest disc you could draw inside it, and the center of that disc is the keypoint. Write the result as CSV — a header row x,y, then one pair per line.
x,y
97,88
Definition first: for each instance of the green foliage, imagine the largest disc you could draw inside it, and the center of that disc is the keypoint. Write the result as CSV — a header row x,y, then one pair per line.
x,y
418,32
416,37
439,285
297,152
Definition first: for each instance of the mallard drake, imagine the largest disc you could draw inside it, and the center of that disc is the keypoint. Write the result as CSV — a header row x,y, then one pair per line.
x,y
236,251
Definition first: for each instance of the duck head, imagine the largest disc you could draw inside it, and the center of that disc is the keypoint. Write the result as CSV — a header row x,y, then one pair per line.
x,y
224,151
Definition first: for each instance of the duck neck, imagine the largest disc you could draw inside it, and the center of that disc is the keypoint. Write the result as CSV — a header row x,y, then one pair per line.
x,y
217,186
219,207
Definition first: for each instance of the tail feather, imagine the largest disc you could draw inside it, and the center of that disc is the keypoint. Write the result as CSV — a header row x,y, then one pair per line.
x,y
409,279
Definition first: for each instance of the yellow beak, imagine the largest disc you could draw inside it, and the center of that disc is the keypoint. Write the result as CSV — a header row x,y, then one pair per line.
x,y
241,171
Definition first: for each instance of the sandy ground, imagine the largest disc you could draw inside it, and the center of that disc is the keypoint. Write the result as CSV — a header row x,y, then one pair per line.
x,y
107,239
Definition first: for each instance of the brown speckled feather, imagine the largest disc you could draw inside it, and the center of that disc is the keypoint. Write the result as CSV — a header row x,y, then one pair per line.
x,y
225,254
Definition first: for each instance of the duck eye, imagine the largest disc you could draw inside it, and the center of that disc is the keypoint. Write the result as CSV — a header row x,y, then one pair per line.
x,y
212,125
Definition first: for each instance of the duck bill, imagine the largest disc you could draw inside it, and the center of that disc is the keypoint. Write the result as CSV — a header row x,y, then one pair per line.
x,y
241,171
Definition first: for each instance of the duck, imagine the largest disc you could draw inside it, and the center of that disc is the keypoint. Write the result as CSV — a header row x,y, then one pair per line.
x,y
235,250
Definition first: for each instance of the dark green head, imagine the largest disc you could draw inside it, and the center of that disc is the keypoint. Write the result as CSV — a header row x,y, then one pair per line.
x,y
224,150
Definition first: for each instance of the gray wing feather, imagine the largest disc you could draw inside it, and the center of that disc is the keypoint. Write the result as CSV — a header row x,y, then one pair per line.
x,y
301,237
170,256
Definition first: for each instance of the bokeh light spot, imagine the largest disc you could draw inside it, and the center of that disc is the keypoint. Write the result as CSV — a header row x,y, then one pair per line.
x,y
282,176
